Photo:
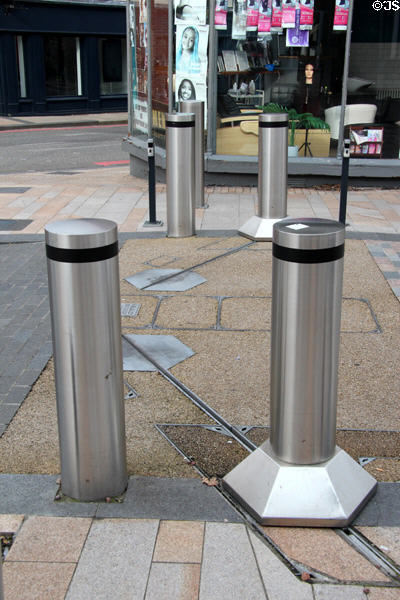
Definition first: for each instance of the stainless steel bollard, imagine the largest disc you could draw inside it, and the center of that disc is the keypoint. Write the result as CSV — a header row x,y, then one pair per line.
x,y
299,476
307,275
83,272
197,107
180,174
272,176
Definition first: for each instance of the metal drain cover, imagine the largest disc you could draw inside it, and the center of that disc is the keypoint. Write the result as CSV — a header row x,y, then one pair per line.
x,y
129,309
166,280
166,350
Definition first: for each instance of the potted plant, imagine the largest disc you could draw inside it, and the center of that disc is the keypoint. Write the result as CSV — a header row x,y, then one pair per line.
x,y
296,121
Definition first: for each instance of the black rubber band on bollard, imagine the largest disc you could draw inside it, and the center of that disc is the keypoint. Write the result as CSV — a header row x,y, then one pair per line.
x,y
273,124
308,256
179,123
82,255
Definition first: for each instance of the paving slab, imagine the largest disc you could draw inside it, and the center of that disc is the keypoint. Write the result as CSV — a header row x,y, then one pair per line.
x,y
324,551
278,580
168,580
229,569
116,556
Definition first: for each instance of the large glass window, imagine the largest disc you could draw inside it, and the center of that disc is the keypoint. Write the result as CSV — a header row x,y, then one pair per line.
x,y
62,66
112,53
302,71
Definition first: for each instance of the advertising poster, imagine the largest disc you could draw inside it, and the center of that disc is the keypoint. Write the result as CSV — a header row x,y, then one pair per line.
x,y
341,15
195,12
192,87
276,19
288,13
306,14
239,19
221,14
297,37
252,15
264,17
191,49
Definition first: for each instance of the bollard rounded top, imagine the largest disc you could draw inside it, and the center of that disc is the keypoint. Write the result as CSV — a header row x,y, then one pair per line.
x,y
281,118
308,234
81,233
184,118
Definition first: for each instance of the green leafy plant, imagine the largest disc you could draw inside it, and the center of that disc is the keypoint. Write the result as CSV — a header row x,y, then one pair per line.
x,y
296,120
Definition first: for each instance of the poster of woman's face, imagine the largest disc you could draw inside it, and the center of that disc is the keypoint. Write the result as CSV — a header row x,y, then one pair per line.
x,y
186,90
190,11
190,88
191,49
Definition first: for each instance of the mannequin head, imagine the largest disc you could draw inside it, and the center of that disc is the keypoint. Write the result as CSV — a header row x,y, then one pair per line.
x,y
309,72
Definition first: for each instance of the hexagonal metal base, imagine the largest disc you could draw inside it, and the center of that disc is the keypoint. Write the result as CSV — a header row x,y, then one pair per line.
x,y
329,494
259,228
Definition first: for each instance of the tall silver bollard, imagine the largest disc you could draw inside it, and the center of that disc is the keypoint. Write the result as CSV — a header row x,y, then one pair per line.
x,y
197,107
299,476
272,176
82,262
180,174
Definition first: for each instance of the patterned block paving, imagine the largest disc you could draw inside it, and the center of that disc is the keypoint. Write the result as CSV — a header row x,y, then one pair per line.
x,y
387,256
25,341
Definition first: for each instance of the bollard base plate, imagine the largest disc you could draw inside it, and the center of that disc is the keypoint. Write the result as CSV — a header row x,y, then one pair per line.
x,y
259,228
328,494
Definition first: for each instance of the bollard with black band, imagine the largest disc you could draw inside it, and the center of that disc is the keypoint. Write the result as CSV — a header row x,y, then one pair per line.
x,y
197,107
85,305
272,177
299,476
180,174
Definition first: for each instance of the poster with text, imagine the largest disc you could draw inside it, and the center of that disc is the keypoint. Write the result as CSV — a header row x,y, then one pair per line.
x,y
239,19
341,15
252,15
264,17
192,87
306,14
276,19
288,13
221,14
193,12
295,36
191,49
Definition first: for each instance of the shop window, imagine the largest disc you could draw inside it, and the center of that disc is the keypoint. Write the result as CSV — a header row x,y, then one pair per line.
x,y
21,66
62,66
112,54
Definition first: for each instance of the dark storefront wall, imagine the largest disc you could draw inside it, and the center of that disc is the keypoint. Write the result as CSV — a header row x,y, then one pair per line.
x,y
68,51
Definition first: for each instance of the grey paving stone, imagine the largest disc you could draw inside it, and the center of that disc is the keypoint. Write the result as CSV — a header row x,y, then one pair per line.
x,y
173,580
229,568
7,412
339,592
116,557
34,495
279,581
383,509
170,498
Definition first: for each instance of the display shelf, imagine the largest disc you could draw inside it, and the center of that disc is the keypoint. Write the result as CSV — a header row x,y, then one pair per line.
x,y
366,141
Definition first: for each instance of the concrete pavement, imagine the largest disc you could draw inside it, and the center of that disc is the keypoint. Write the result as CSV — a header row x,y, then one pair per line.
x,y
174,536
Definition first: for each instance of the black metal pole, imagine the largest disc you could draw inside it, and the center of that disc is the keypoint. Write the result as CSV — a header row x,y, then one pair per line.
x,y
344,181
152,183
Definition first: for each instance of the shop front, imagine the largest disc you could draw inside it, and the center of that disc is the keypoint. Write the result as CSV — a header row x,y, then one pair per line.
x,y
62,57
331,64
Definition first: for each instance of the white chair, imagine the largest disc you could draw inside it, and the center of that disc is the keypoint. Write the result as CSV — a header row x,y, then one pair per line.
x,y
354,114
